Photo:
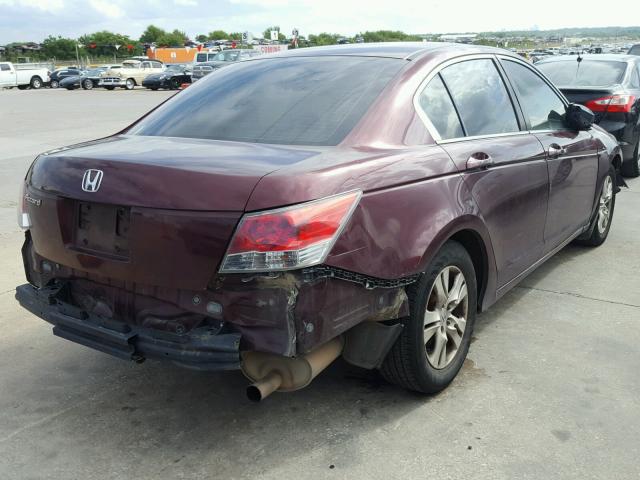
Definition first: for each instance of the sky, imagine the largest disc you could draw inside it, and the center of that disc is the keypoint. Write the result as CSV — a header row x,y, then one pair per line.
x,y
34,20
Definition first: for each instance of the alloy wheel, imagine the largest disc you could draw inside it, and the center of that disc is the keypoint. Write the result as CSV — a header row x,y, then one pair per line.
x,y
604,206
445,318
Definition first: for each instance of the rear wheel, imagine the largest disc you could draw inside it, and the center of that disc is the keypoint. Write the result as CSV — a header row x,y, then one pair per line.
x,y
129,84
87,84
436,335
631,166
601,222
36,83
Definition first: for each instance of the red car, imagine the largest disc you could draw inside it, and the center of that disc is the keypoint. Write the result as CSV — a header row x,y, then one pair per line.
x,y
364,201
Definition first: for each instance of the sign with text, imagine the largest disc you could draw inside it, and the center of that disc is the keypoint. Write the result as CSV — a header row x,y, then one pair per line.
x,y
264,49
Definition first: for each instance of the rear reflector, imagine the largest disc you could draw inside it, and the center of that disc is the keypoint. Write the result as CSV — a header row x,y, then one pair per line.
x,y
613,104
288,238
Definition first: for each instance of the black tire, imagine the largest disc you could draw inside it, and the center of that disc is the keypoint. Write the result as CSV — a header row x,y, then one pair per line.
x,y
36,83
406,364
129,84
631,166
595,235
54,84
174,85
87,84
110,88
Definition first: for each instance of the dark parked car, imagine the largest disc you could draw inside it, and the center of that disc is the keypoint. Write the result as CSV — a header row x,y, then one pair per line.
x,y
222,59
610,86
171,78
87,79
634,50
58,75
360,200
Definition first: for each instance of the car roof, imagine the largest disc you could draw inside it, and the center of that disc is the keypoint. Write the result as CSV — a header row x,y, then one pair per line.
x,y
401,50
604,57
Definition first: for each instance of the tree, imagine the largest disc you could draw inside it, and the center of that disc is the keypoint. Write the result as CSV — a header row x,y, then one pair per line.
x,y
152,34
201,38
324,39
267,33
105,43
59,48
218,35
237,36
173,39
389,36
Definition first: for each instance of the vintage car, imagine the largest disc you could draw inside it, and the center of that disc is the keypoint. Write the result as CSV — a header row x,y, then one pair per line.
x,y
364,200
132,73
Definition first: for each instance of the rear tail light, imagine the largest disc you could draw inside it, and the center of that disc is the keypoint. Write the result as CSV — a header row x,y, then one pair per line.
x,y
289,238
613,104
24,221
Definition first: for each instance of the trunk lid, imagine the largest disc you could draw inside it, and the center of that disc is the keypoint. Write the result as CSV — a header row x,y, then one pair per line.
x,y
583,95
162,172
163,213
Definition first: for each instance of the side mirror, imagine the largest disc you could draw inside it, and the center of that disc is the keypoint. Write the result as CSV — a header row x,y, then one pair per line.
x,y
579,117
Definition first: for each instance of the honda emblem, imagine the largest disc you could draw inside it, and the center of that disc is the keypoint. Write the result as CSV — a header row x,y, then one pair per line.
x,y
91,180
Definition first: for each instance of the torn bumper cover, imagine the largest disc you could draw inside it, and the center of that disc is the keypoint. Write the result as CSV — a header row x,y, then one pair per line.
x,y
205,348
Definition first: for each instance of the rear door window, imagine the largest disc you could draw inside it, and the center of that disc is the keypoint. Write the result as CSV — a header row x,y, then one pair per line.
x,y
542,107
438,107
480,97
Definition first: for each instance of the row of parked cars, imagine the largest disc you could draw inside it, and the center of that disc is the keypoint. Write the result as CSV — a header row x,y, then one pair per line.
x,y
149,73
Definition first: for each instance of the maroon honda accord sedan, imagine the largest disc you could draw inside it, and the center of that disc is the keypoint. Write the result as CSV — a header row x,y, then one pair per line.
x,y
365,201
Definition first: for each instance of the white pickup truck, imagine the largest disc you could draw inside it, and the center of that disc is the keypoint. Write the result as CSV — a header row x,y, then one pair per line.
x,y
12,77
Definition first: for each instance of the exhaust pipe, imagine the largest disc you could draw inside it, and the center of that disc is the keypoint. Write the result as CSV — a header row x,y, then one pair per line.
x,y
270,372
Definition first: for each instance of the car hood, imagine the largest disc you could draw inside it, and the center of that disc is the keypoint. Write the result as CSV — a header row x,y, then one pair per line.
x,y
156,76
164,172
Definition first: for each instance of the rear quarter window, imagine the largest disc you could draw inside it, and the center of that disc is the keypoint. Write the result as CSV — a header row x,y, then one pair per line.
x,y
436,103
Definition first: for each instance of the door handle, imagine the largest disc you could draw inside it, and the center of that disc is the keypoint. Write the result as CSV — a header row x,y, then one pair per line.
x,y
479,160
556,150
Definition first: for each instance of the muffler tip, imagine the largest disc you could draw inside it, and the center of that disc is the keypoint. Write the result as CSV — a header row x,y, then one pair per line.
x,y
258,391
254,394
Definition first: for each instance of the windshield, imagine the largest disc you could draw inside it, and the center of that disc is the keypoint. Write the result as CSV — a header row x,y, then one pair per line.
x,y
227,56
175,68
93,73
131,65
588,73
289,101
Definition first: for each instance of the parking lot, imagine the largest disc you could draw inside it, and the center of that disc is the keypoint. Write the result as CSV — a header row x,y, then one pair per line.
x,y
550,389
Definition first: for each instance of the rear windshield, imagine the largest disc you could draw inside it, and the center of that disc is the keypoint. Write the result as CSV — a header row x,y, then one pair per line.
x,y
290,101
588,73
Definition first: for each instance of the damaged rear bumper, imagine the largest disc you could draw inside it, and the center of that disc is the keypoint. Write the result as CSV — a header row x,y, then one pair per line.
x,y
205,348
